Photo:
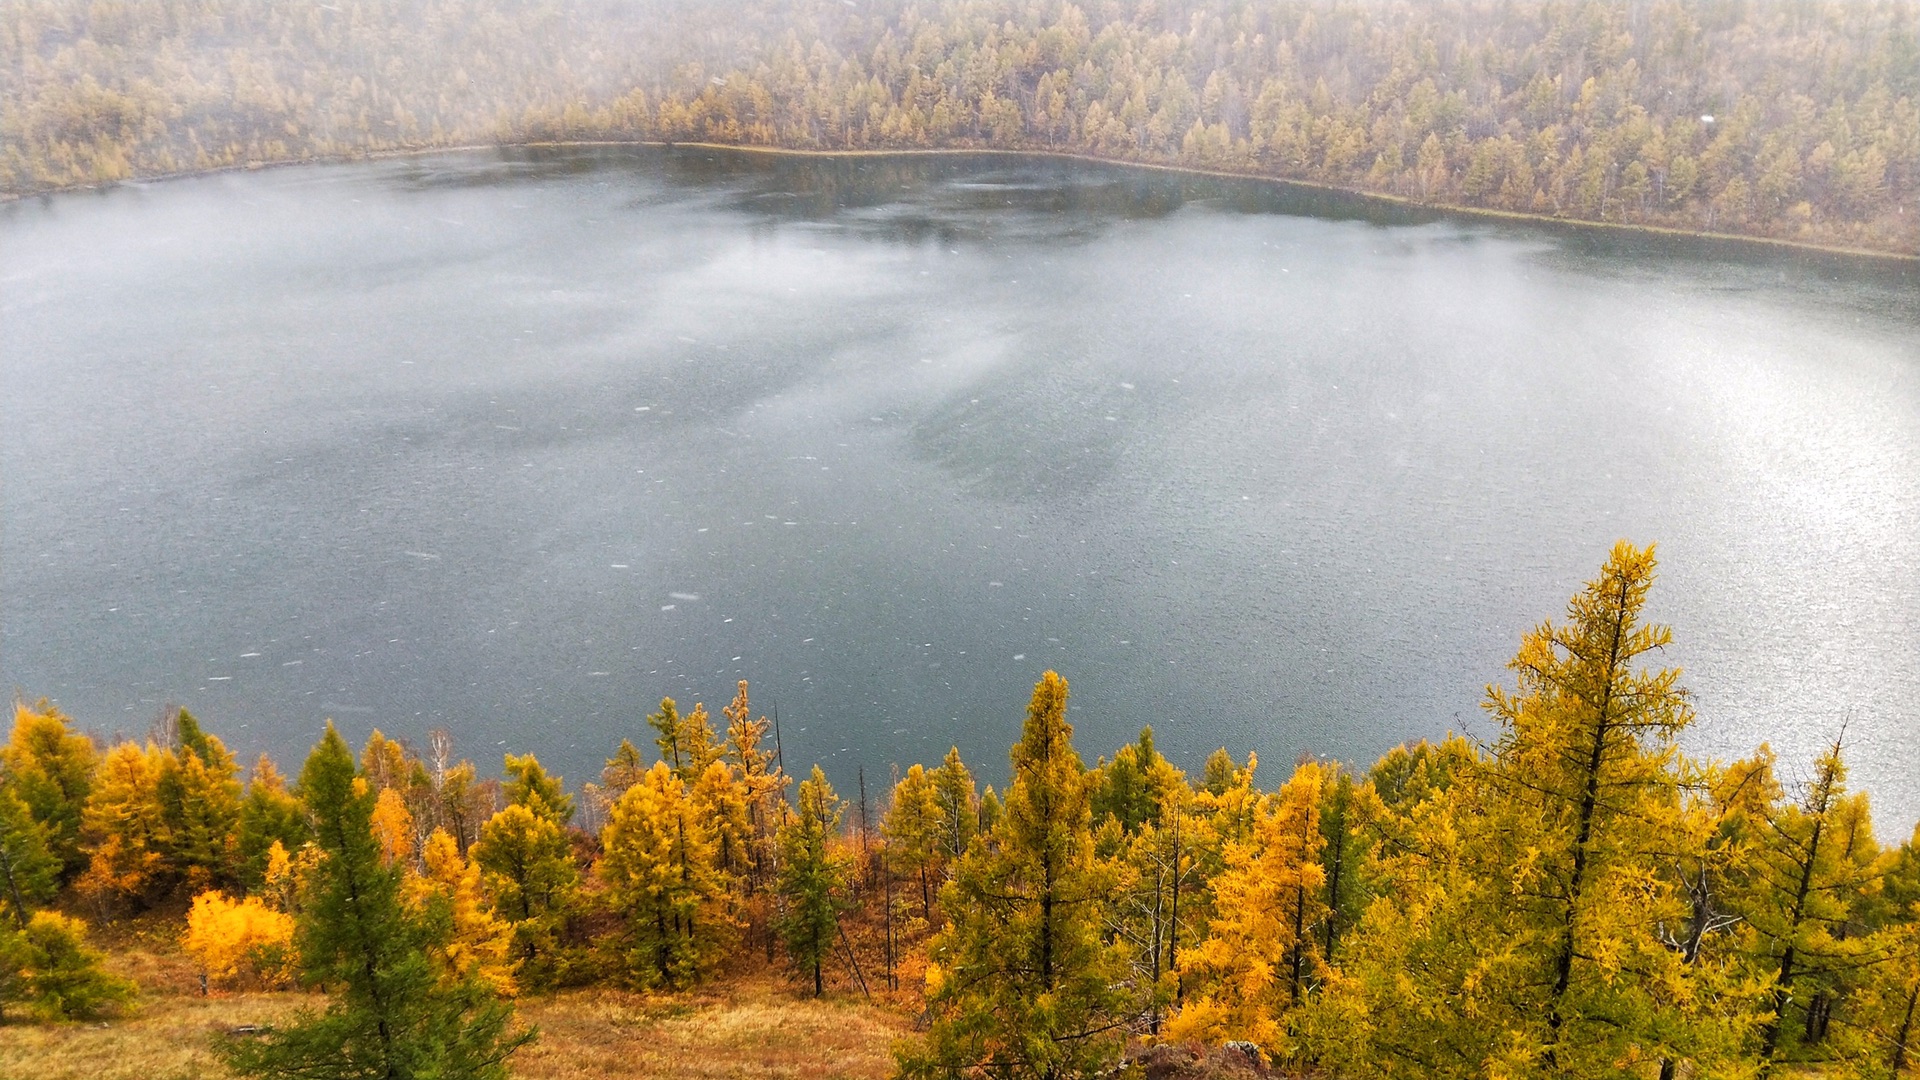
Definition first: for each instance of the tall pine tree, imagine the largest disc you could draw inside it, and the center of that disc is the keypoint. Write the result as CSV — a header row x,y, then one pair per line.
x,y
390,1017
1022,983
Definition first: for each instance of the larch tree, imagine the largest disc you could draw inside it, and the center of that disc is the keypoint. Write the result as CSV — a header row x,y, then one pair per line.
x,y
529,784
390,1016
912,829
1885,1023
1261,954
269,815
473,943
958,803
1518,928
1154,905
124,827
763,786
1021,982
527,869
52,768
813,878
659,866
720,798
623,770
393,828
29,872
1814,871
686,741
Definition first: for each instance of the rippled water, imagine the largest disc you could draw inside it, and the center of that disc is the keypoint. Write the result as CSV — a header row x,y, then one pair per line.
x,y
520,442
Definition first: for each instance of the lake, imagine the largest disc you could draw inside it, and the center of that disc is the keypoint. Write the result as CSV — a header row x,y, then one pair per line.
x,y
519,442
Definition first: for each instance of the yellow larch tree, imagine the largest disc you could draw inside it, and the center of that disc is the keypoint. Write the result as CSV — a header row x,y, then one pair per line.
x,y
239,941
393,827
660,869
1517,926
1261,954
478,943
50,768
124,827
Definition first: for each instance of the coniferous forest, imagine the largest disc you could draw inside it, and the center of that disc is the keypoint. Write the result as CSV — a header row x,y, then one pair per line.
x,y
1576,897
1787,119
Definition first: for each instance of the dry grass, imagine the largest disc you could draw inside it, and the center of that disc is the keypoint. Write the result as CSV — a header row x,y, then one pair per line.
x,y
746,1027
750,1025
168,1038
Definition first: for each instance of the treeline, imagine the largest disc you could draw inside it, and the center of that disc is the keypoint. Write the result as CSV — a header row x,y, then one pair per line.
x,y
1577,898
1795,119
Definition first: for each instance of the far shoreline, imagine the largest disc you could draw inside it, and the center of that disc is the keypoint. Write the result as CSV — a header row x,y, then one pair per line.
x,y
1398,201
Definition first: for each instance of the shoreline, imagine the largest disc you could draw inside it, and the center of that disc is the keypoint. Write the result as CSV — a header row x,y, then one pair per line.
x,y
1398,201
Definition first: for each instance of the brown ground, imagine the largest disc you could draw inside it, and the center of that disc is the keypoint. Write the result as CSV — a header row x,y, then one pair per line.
x,y
754,1022
752,1027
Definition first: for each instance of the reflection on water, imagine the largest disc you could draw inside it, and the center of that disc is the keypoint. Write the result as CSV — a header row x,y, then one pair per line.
x,y
521,442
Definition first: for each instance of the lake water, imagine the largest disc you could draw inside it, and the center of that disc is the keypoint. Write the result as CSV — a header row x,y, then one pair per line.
x,y
519,442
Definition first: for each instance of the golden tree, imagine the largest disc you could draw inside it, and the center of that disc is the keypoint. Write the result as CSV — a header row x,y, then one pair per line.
x,y
1260,953
660,869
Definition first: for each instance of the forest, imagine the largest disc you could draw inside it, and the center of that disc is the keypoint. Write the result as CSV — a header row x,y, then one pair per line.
x,y
1577,897
1787,119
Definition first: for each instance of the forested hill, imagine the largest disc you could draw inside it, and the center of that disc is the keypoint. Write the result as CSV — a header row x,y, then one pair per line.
x,y
1797,120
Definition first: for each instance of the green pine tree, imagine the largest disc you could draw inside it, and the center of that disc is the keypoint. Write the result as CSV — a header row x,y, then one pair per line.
x,y
29,873
1021,983
390,1017
813,879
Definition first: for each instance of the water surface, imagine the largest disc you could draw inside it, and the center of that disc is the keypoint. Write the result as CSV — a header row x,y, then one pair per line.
x,y
518,443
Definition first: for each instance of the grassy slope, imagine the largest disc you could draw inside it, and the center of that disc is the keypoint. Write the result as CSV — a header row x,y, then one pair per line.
x,y
754,1023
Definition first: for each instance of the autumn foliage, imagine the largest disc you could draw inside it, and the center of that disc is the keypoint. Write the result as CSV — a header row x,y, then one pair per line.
x,y
1575,897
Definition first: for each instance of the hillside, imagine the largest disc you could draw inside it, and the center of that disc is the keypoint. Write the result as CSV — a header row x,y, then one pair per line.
x,y
1790,121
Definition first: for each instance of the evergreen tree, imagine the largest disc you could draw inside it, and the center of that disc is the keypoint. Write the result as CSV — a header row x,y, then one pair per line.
x,y
390,1016
1021,983
1345,813
29,872
527,869
269,815
1218,773
47,966
1131,787
52,766
199,798
813,880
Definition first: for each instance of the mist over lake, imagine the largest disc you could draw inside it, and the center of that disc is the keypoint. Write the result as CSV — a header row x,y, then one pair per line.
x,y
519,442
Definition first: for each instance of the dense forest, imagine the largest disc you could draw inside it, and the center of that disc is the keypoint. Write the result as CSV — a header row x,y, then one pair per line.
x,y
1791,119
1576,898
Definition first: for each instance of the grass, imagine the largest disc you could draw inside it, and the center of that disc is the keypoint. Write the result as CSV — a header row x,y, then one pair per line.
x,y
752,1024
